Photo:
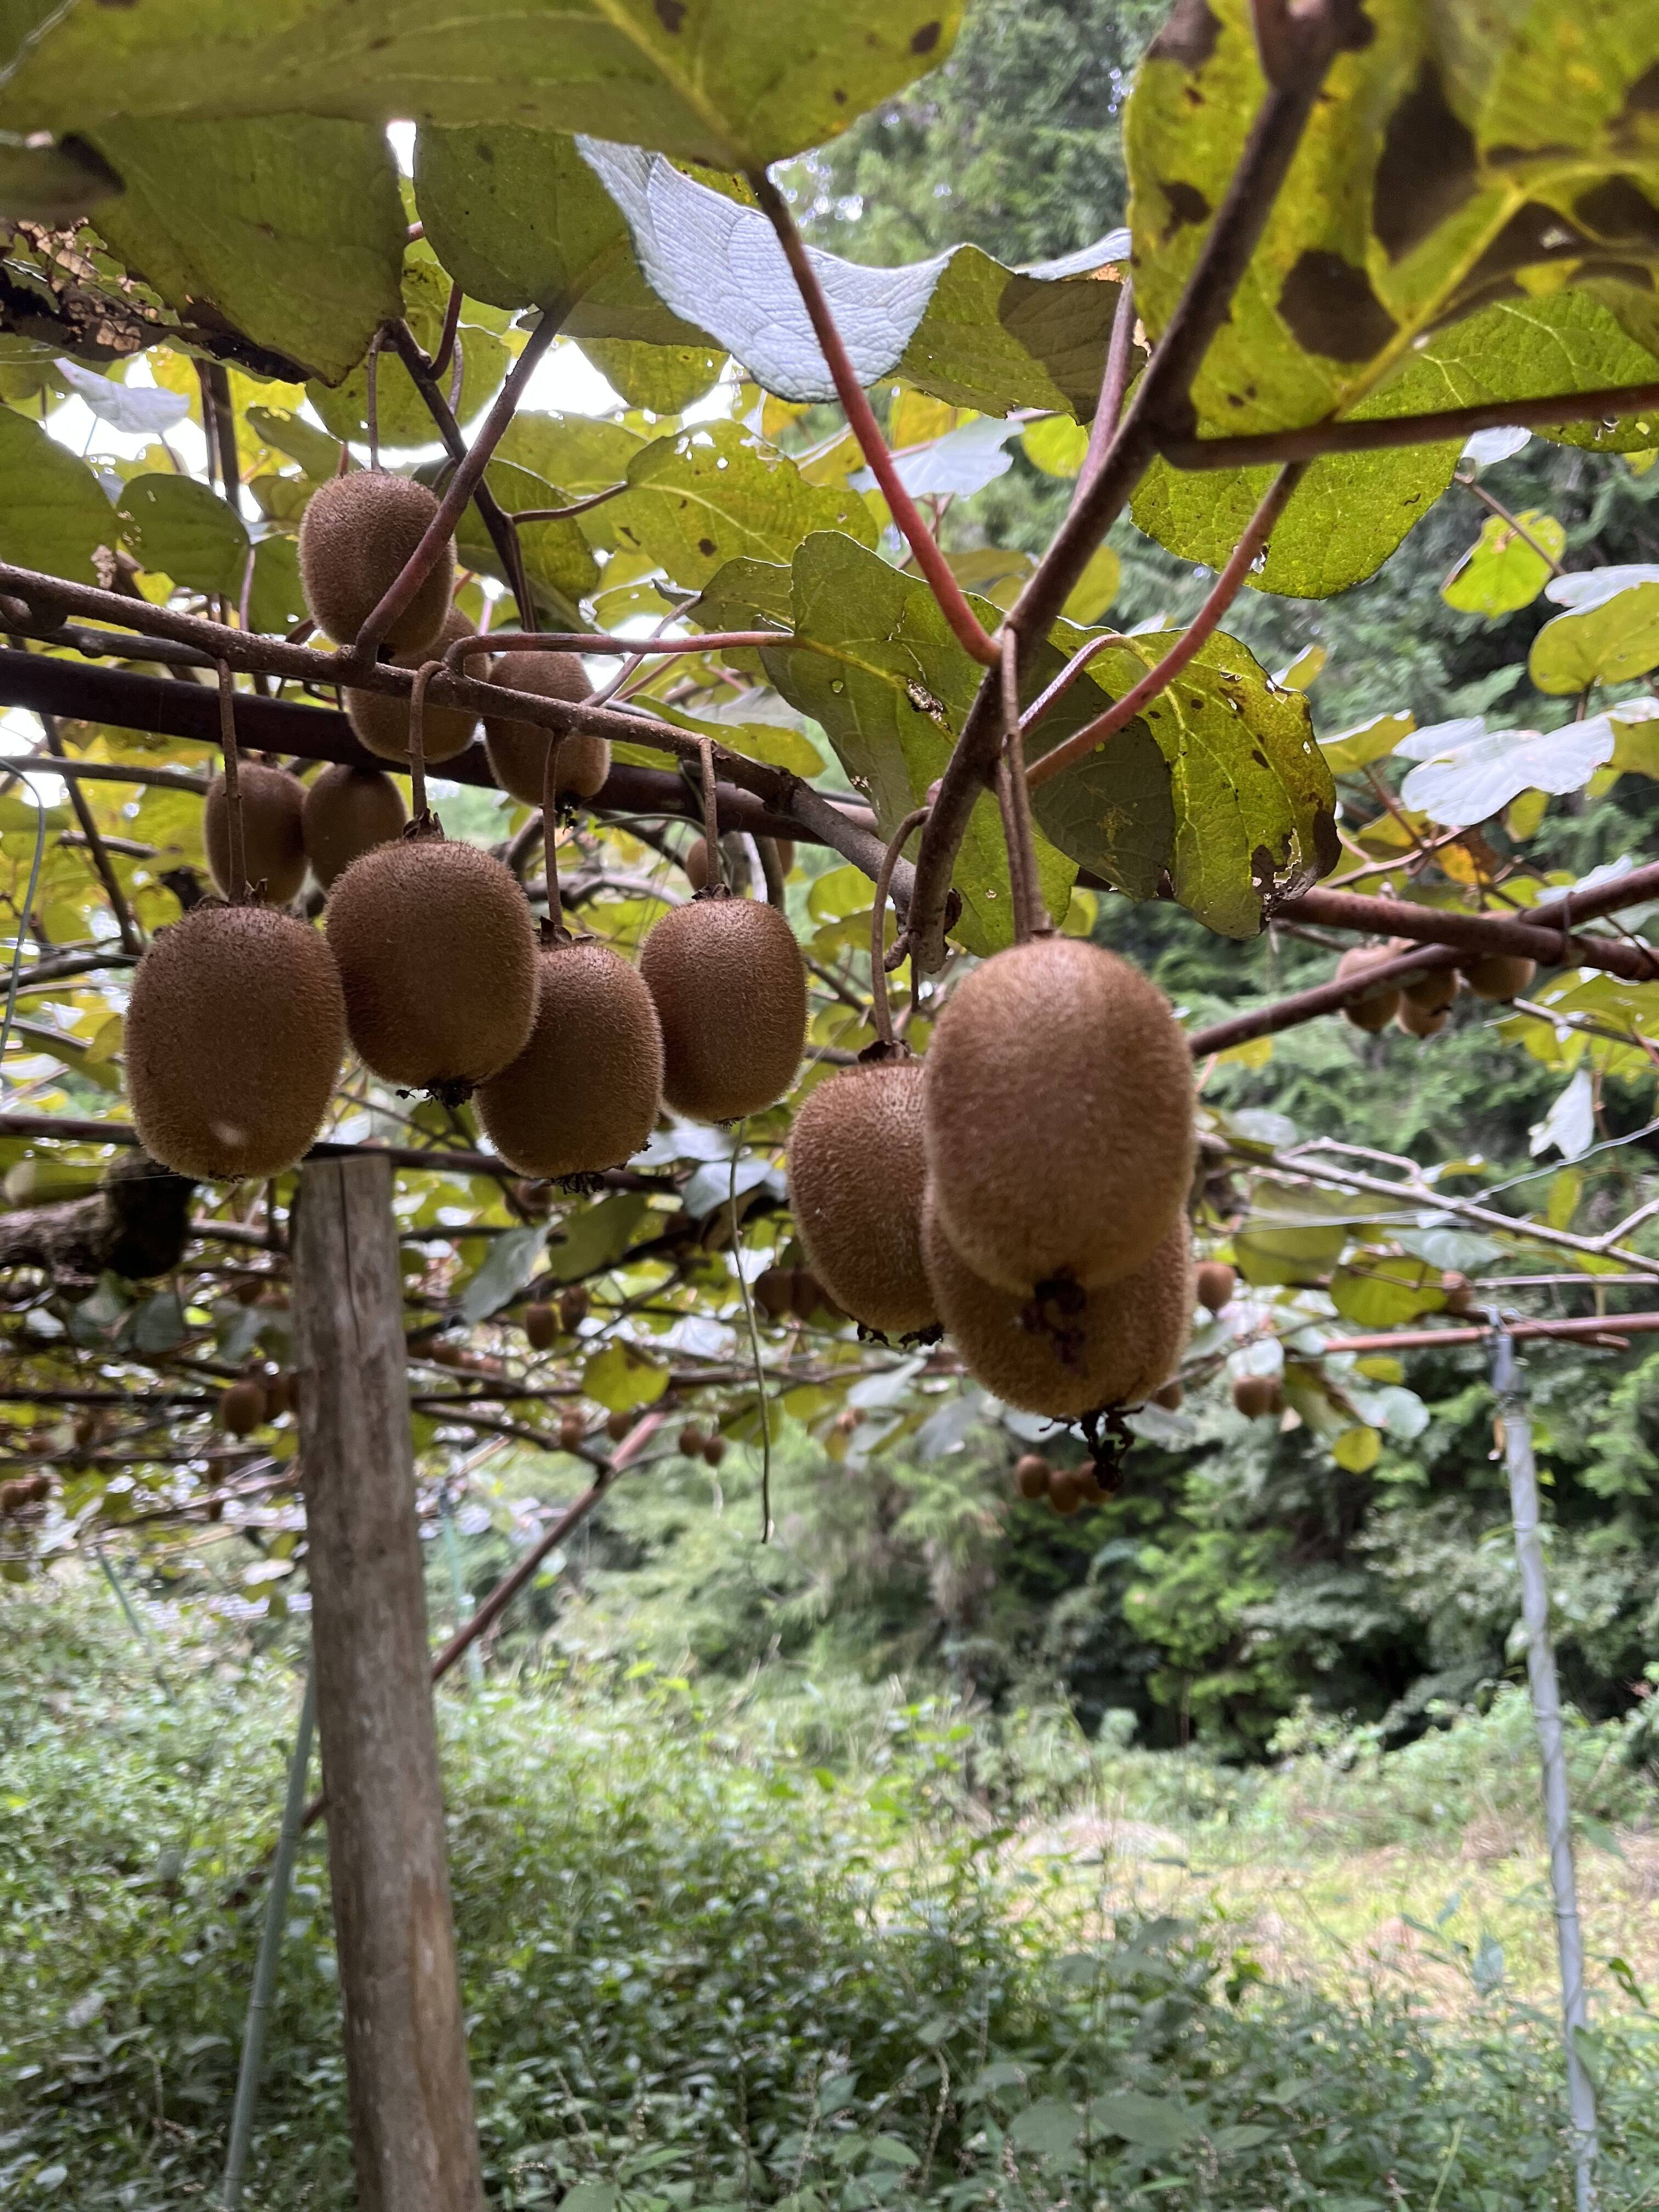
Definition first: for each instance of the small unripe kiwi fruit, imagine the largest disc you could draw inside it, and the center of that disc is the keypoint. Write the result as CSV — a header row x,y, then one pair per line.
x,y
347,812
234,1041
518,751
1058,1116
242,1408
584,1093
381,719
691,1441
1065,1492
1433,993
1460,1291
573,1302
1256,1396
573,1432
437,956
617,1425
808,1298
357,533
1421,1021
1065,1351
695,861
1032,1475
1377,1008
858,1173
1498,975
1170,1397
1215,1282
731,991
273,835
541,1326
713,1450
775,1291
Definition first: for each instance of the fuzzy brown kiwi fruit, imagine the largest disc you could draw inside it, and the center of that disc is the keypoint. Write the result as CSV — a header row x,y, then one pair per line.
x,y
437,957
691,1441
1377,1009
731,991
347,812
1216,1283
1066,1351
357,533
573,1432
1172,1397
774,1289
1065,1492
1433,993
858,1173
1032,1475
713,1450
241,1408
584,1093
1256,1396
695,861
1421,1021
1058,1115
617,1425
574,1304
273,835
1499,975
541,1326
234,1041
518,751
381,719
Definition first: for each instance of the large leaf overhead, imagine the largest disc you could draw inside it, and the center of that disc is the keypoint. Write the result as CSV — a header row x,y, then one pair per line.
x,y
1459,155
734,83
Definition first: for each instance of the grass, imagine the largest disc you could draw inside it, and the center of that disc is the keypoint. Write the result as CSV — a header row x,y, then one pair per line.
x,y
702,1972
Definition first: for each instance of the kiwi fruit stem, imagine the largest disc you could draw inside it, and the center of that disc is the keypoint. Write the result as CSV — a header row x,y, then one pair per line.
x,y
1014,798
881,1011
555,933
711,822
424,676
237,886
371,396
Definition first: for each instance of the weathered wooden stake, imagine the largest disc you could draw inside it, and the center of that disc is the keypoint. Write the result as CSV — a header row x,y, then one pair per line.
x,y
412,2132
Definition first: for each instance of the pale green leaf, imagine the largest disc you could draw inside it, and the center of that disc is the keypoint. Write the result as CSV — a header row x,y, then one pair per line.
x,y
622,1379
1610,634
1378,1291
53,513
597,1236
1151,2123
508,1267
178,528
1502,572
1353,749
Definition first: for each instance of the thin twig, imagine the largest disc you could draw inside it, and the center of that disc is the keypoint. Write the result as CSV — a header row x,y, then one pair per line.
x,y
880,1010
237,888
132,941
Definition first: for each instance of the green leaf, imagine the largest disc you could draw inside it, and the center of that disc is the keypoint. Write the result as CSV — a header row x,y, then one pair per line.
x,y
891,686
960,326
1056,444
735,83
1357,1449
1610,634
1501,572
660,378
578,452
1095,589
1353,749
508,1267
54,184
53,513
400,413
289,230
317,455
557,557
597,1236
1149,2123
622,1379
1114,812
177,527
1047,2127
709,495
277,601
1377,1291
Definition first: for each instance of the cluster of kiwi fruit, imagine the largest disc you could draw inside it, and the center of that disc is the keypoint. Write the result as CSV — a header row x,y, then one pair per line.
x,y
1066,1489
253,1401
1422,1007
695,1442
1024,1186
545,1321
23,1491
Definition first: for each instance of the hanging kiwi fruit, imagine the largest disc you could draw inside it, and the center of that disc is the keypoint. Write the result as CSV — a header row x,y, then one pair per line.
x,y
518,750
1501,976
584,1093
1258,1397
729,987
347,812
1215,1284
274,846
1379,1006
1062,1350
357,533
858,1174
1425,1005
1058,1116
381,719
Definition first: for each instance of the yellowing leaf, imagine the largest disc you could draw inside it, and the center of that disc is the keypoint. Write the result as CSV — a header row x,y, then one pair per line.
x,y
622,1379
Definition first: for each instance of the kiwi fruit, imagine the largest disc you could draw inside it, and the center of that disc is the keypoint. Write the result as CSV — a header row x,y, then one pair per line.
x,y
573,1432
1378,1007
242,1408
1215,1284
731,991
381,719
775,1292
356,534
1065,1351
1460,1291
518,751
808,1298
437,958
1421,1021
541,1326
1498,975
584,1093
713,1450
1032,1474
273,835
695,861
573,1302
1058,1116
1172,1397
1256,1396
1433,993
691,1441
347,812
1065,1492
857,1177
617,1425
234,1041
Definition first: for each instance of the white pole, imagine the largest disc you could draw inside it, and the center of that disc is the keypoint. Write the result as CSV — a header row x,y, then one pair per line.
x,y
1547,1713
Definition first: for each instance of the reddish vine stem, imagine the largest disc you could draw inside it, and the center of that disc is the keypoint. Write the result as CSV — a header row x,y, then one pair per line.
x,y
238,887
468,473
441,359
881,1011
1223,592
586,641
1114,387
861,421
371,398
1031,915
1160,399
417,807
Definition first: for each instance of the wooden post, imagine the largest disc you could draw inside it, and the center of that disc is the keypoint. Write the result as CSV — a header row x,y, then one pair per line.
x,y
412,2133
